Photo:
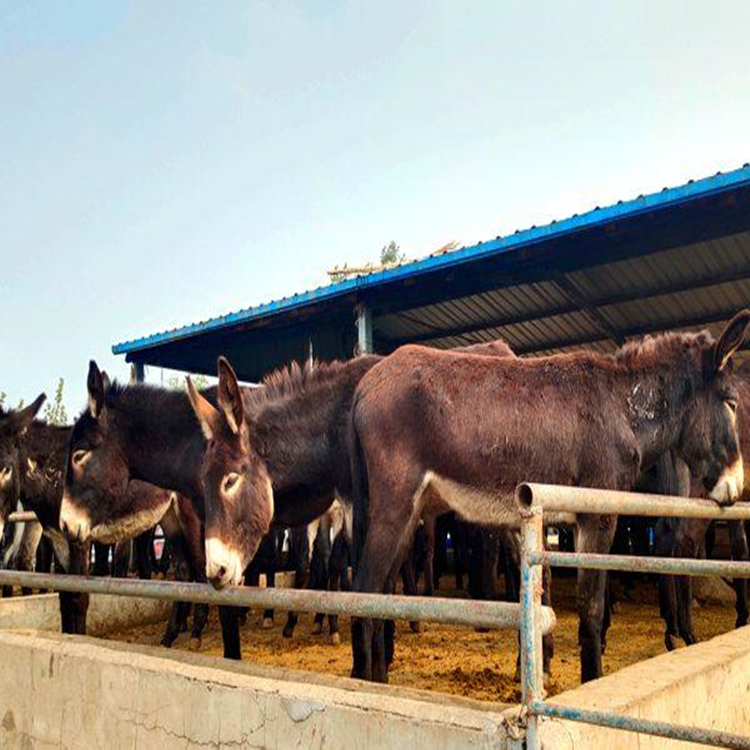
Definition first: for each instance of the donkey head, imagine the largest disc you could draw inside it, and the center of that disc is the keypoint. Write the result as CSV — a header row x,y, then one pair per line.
x,y
709,438
13,425
97,474
236,484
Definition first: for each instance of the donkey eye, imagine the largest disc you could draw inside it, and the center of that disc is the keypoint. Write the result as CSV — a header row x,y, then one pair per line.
x,y
230,482
732,404
6,473
80,456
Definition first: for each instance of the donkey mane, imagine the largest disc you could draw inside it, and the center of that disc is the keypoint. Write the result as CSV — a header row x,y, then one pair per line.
x,y
293,379
135,399
651,350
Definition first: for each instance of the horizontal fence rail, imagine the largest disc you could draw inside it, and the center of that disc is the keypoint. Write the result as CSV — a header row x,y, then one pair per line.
x,y
643,726
22,516
561,499
472,613
678,566
536,499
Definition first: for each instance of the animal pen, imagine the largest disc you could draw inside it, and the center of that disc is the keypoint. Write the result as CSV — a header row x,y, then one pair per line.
x,y
678,258
529,617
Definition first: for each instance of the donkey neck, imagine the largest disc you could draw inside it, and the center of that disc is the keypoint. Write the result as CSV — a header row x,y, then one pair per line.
x,y
654,402
160,438
301,434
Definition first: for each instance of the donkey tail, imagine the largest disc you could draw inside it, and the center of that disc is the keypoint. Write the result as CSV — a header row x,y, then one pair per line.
x,y
360,489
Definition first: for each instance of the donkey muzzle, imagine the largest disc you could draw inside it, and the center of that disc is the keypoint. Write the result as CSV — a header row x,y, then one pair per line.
x,y
223,564
730,485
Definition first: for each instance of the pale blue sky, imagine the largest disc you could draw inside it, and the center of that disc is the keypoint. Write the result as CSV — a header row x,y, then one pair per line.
x,y
162,162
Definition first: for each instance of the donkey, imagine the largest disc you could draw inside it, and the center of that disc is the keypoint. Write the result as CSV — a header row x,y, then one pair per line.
x,y
419,440
149,434
32,453
277,455
683,537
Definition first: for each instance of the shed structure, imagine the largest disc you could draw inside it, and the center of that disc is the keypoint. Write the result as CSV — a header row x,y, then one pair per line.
x,y
679,258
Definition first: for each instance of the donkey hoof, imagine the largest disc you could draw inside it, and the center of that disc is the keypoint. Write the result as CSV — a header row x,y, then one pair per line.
x,y
167,642
670,642
416,626
317,628
546,680
335,639
267,623
194,644
288,632
517,674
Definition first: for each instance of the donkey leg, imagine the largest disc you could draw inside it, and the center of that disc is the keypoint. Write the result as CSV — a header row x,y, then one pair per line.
x,y
372,572
739,552
410,587
142,547
595,534
301,579
336,564
688,545
666,530
429,559
80,556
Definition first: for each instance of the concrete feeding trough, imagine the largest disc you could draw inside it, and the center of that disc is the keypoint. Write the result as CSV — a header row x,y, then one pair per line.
x,y
73,691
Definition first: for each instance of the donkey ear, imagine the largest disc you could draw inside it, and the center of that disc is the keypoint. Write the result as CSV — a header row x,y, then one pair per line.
x,y
95,386
106,382
731,339
20,420
230,396
207,415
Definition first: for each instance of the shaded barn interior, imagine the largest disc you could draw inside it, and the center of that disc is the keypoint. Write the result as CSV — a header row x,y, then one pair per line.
x,y
679,258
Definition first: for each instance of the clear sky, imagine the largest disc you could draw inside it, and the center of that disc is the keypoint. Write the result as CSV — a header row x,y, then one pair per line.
x,y
163,162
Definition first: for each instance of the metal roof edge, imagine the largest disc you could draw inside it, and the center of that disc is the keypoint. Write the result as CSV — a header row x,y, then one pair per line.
x,y
717,183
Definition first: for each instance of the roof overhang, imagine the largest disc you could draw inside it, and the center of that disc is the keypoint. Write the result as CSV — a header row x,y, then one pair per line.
x,y
674,259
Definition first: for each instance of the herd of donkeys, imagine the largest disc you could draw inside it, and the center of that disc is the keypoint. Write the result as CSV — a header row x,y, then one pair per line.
x,y
358,458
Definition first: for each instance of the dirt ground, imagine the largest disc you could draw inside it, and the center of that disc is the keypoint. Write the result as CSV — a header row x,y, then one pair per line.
x,y
459,660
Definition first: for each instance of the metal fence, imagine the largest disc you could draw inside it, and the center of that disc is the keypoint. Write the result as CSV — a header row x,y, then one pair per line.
x,y
530,616
534,501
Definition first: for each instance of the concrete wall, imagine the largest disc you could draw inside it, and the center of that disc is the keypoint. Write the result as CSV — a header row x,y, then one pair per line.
x,y
73,692
706,685
66,691
42,612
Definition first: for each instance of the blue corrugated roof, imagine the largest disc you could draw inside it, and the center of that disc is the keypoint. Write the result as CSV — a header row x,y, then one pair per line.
x,y
622,209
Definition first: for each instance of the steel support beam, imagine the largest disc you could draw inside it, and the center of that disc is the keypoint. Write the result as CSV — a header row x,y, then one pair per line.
x,y
364,329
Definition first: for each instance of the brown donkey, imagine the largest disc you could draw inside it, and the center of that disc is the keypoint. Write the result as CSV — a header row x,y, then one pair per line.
x,y
458,432
277,454
683,537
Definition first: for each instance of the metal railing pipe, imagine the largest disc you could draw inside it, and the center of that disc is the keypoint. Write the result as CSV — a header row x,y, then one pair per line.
x,y
472,613
530,635
632,563
699,735
22,516
564,499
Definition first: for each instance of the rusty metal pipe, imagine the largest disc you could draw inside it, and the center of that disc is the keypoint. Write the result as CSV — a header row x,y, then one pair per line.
x,y
22,516
677,566
562,499
436,609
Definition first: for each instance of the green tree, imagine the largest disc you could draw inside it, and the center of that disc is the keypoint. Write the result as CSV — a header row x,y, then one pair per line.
x,y
54,411
178,382
391,254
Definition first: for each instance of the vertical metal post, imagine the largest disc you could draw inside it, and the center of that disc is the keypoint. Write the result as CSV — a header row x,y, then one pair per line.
x,y
532,680
137,372
364,329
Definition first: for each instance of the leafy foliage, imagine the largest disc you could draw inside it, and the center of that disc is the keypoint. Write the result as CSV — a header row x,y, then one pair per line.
x,y
178,382
54,411
391,254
